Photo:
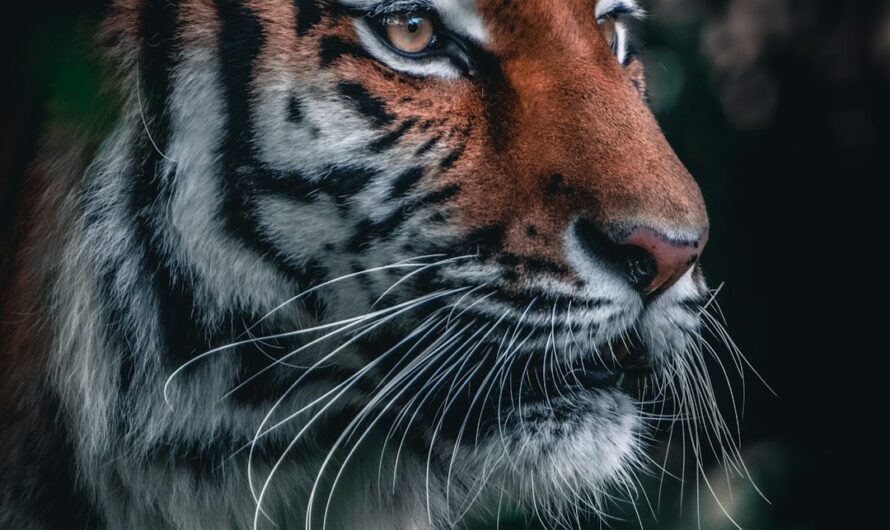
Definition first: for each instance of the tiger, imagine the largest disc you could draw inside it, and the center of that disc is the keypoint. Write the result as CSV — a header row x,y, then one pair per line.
x,y
340,264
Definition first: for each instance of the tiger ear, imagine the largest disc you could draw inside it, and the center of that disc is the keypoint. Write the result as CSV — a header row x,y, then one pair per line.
x,y
637,75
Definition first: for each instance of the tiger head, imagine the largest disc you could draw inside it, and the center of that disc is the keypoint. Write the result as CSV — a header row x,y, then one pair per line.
x,y
474,191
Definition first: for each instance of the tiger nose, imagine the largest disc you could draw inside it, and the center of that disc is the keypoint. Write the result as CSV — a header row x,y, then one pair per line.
x,y
650,260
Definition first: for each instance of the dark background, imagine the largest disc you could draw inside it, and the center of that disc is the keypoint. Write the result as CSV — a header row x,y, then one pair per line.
x,y
779,108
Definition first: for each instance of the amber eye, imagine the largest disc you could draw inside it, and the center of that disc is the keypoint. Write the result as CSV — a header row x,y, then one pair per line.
x,y
607,30
410,32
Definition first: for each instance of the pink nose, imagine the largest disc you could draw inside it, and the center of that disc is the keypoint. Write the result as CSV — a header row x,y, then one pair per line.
x,y
656,262
651,262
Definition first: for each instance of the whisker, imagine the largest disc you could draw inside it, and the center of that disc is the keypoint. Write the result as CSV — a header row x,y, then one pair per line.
x,y
351,382
418,271
407,263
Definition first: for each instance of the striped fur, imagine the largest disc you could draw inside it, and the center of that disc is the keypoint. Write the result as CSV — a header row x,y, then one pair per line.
x,y
276,169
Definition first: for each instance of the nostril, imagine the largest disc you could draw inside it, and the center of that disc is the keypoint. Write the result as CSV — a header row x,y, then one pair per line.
x,y
649,260
639,266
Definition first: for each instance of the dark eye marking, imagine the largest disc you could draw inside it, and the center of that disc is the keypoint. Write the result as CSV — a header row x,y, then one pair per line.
x,y
333,48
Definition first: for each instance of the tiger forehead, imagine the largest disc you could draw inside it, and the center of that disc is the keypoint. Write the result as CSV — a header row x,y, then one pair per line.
x,y
464,16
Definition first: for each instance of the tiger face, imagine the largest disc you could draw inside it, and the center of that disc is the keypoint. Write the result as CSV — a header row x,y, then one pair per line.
x,y
456,222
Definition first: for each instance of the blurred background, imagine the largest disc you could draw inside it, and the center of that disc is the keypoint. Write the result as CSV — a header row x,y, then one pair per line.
x,y
779,108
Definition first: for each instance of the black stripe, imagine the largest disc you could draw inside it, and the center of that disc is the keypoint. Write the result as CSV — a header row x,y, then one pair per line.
x,y
487,240
452,158
543,265
345,182
405,182
441,195
365,231
241,40
297,116
340,183
370,106
149,192
390,139
368,230
171,286
292,186
428,145
308,15
332,48
164,282
178,309
295,110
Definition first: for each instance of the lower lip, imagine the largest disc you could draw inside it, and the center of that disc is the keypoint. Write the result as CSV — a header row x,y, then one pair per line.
x,y
631,365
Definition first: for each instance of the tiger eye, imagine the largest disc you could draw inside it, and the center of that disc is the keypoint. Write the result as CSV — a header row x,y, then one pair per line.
x,y
410,33
607,30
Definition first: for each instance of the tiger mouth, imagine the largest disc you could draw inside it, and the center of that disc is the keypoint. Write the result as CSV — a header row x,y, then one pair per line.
x,y
622,366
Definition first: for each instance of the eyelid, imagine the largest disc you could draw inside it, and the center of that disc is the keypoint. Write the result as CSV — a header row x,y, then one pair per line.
x,y
619,9
618,15
393,8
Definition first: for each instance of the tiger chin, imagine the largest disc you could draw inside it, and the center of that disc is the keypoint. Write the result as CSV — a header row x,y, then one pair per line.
x,y
350,264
